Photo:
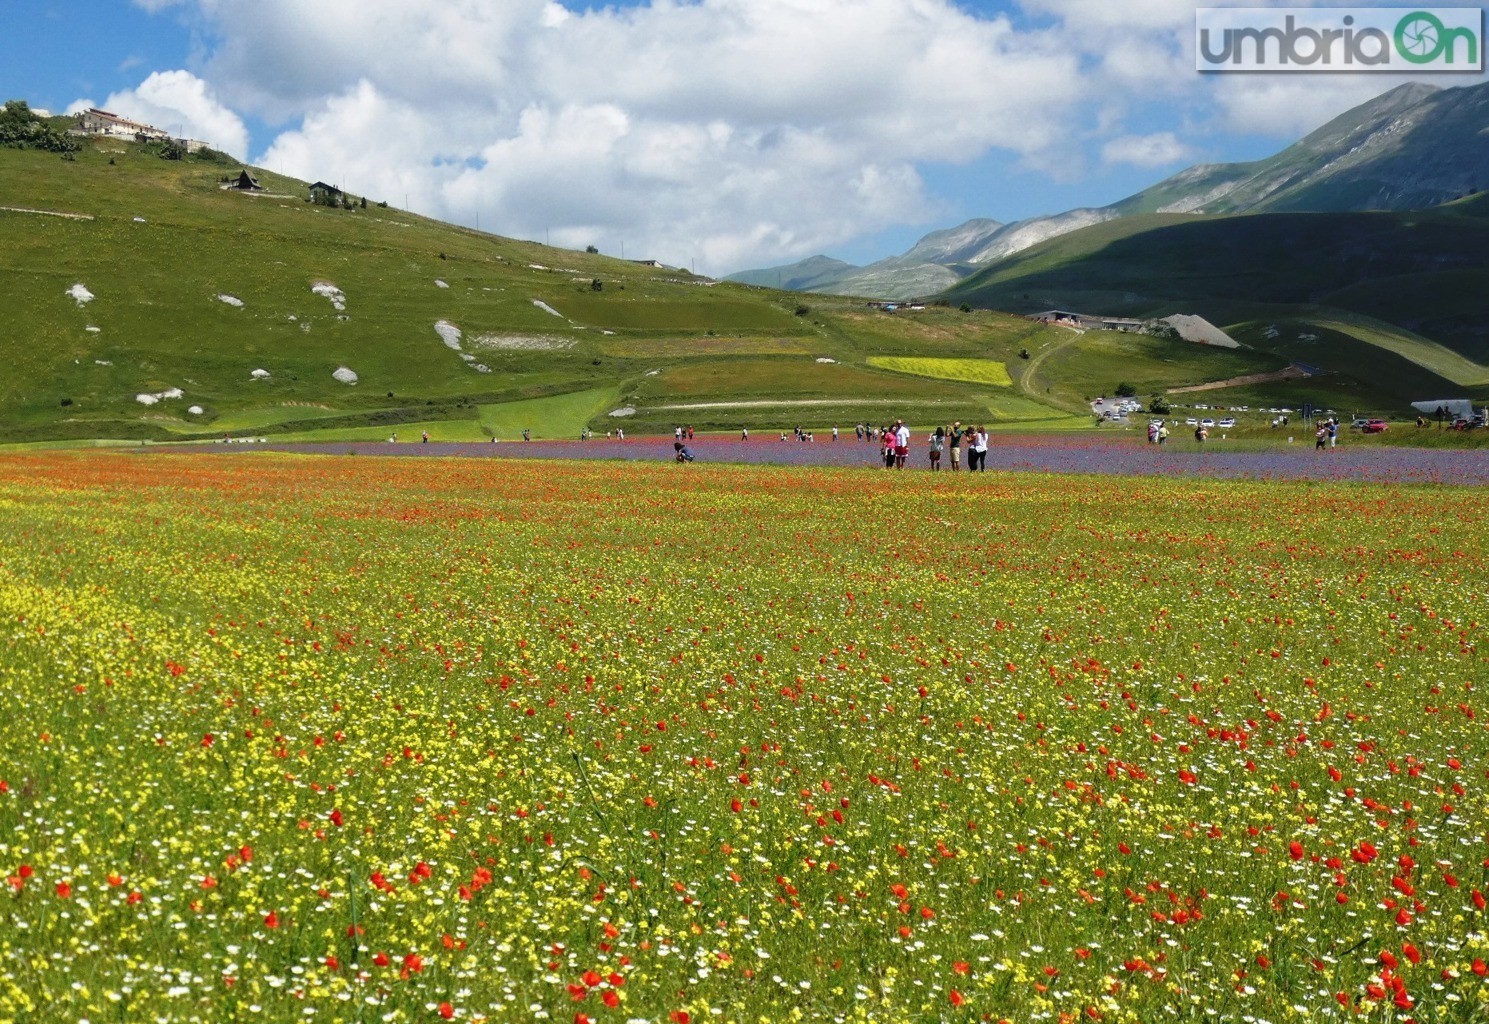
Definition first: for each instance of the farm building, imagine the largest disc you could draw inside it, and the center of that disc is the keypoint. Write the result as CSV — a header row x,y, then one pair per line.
x,y
94,121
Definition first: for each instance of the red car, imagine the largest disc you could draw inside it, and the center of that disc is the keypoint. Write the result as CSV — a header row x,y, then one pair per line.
x,y
1374,426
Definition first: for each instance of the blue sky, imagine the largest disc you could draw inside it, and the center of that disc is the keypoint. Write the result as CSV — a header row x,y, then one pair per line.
x,y
725,133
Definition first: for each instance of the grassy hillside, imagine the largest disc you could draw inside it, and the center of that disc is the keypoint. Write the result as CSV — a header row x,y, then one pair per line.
x,y
1392,306
195,287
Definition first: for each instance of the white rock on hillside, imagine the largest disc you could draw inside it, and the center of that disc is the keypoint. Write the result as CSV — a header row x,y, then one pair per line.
x,y
330,291
259,374
345,375
231,300
81,293
449,333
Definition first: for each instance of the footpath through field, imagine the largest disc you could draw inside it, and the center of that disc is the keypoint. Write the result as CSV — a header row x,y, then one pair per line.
x,y
1050,453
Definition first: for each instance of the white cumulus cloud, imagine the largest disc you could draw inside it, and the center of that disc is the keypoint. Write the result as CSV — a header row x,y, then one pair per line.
x,y
723,132
1157,150
716,131
184,105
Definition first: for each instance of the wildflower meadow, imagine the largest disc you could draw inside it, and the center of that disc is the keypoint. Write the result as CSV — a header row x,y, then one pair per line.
x,y
361,739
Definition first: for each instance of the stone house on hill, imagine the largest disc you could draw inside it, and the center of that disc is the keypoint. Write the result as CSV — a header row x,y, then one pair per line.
x,y
94,121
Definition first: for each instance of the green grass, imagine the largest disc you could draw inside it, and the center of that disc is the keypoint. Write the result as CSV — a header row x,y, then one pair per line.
x,y
165,242
1357,275
1428,354
1096,362
562,416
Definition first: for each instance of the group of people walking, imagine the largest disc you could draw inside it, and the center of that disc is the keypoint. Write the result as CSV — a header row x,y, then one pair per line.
x,y
950,440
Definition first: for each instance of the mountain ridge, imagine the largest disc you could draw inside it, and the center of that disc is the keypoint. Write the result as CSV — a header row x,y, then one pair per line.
x,y
1411,147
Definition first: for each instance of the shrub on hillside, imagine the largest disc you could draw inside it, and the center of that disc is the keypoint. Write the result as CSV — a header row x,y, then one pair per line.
x,y
20,128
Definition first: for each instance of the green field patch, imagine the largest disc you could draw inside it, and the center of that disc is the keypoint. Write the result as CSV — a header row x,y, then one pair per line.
x,y
698,312
975,371
1014,410
439,430
556,416
673,348
1426,353
740,379
1098,361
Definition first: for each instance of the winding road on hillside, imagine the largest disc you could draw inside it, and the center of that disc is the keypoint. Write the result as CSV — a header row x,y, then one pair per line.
x,y
1027,382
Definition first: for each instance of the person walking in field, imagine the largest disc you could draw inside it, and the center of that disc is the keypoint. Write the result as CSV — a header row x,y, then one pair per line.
x,y
744,433
1320,438
901,444
1333,428
954,442
834,431
938,441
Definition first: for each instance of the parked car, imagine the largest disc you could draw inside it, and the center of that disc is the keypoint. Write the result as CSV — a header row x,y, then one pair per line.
x,y
1374,426
1359,423
1191,422
1207,422
1229,421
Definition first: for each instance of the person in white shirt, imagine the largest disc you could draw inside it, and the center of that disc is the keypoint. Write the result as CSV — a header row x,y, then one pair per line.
x,y
978,457
901,444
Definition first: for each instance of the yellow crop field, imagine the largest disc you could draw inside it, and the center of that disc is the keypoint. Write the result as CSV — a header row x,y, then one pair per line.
x,y
978,371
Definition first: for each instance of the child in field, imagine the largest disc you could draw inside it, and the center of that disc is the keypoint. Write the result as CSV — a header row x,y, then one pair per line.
x,y
938,441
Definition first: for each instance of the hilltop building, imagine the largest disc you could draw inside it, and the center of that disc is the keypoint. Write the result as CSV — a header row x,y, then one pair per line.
x,y
96,122
328,195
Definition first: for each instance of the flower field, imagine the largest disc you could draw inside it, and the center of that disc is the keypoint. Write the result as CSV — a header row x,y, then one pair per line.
x,y
361,739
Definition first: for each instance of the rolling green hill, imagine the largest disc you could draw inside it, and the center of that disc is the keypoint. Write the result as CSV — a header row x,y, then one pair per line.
x,y
195,287
143,299
1391,305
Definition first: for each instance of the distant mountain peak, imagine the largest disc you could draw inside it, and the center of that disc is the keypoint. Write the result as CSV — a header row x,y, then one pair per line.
x,y
1413,146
